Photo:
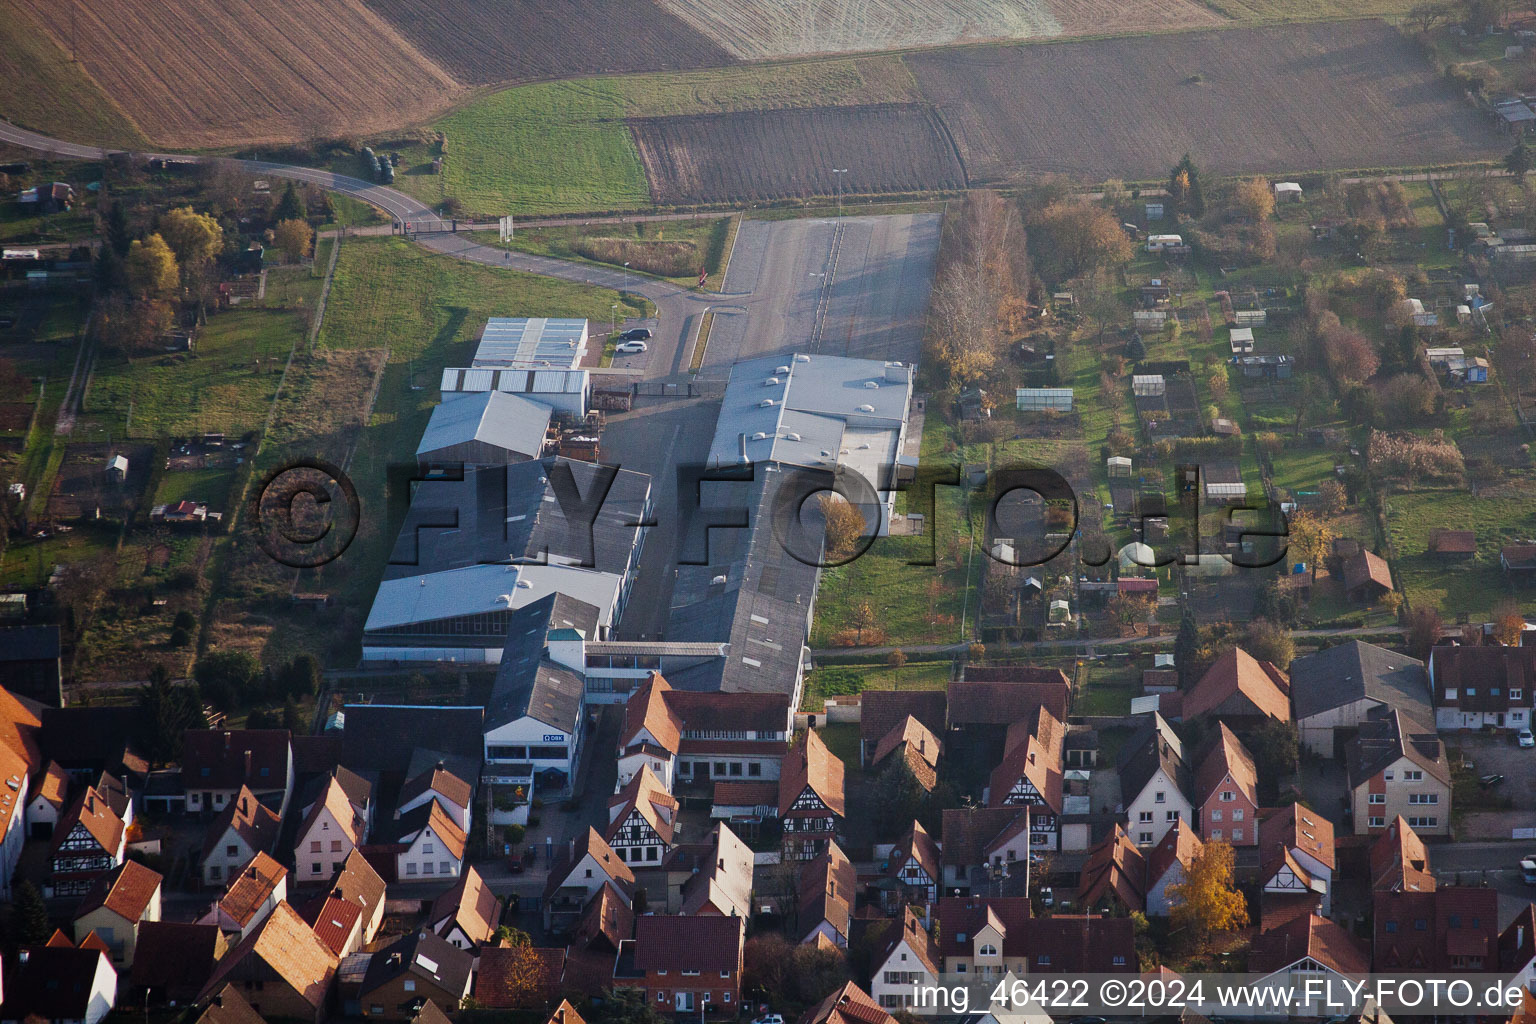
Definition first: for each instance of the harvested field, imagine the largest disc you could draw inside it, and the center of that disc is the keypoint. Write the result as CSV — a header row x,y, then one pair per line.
x,y
41,89
212,72
755,29
1321,96
775,154
528,41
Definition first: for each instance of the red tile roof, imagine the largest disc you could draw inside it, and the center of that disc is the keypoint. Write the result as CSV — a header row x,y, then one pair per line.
x,y
811,764
689,943
1238,683
1402,944
1400,860
436,780
1311,936
470,905
961,917
848,1005
1033,751
1296,827
1115,865
290,949
216,758
1226,758
93,811
333,920
253,888
881,711
1180,845
249,818
984,697
519,977
827,890
127,892
19,729
647,710
644,793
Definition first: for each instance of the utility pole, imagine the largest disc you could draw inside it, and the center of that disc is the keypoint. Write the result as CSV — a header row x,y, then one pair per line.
x,y
839,171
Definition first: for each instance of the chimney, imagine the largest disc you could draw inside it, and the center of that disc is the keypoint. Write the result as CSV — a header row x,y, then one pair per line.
x,y
247,763
1031,757
571,848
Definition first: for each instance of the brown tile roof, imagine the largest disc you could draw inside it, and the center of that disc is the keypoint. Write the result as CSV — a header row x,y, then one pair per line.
x,y
590,842
1518,556
1453,542
1033,748
58,940
607,916
254,887
565,1013
746,794
1226,757
647,710
918,939
216,758
431,815
811,764
646,794
53,983
53,785
826,888
333,919
715,711
334,798
882,710
1517,943
967,832
1400,944
1384,737
1400,860
918,846
917,737
93,811
519,977
992,701
470,905
1180,845
848,1005
966,915
127,892
290,949
250,819
1114,865
725,882
19,729
357,882
1366,567
1238,673
1081,944
1296,827
96,942
13,775
1492,670
689,943
1310,936
175,959
436,780
1279,909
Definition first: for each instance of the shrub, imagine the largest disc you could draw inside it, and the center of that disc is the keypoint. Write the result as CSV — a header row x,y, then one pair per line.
x,y
180,637
184,620
664,259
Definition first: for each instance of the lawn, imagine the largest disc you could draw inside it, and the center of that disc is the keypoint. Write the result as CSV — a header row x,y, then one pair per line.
x,y
210,486
1476,586
557,147
831,680
881,78
709,239
843,741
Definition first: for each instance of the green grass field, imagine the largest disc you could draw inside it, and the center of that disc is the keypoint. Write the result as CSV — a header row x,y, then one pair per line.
x,y
42,89
1474,586
840,82
205,485
832,680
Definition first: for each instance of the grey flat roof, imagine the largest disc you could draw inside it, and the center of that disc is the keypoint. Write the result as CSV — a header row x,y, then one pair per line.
x,y
532,342
507,421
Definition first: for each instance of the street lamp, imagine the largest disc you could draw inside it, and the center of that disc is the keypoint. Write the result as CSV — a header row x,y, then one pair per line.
x,y
626,278
839,171
615,327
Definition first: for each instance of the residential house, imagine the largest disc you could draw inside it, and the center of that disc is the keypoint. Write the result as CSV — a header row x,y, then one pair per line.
x,y
1302,952
881,711
244,828
992,697
228,1006
1518,561
811,798
641,820
983,938
336,923
13,814
282,969
384,738
1396,769
910,958
115,907
31,665
49,800
319,757
722,883
88,841
1297,855
251,897
357,882
1400,860
913,743
1226,791
1517,949
452,793
432,844
1081,944
414,969
650,735
1483,686
1241,690
331,830
535,714
1334,689
1366,576
172,961
522,977
1452,928
1168,865
1030,774
686,965
979,844
848,1005
1155,782
586,866
1452,545
216,764
468,914
695,736
826,895
61,984
913,870
1114,877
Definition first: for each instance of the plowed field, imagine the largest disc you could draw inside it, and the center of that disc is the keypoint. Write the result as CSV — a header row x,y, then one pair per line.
x,y
774,154
210,72
1333,95
530,40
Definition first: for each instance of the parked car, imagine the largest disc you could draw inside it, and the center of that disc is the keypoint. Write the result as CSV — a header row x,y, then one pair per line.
x,y
630,346
1528,869
636,334
1525,739
769,1018
1489,781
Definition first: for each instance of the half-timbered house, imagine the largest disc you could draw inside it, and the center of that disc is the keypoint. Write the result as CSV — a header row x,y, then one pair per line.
x,y
811,795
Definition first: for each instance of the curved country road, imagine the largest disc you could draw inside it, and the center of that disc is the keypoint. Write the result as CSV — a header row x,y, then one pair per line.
x,y
679,310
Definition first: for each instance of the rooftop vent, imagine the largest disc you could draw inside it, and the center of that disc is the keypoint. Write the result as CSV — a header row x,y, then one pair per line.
x,y
770,382
871,385
782,369
802,359
718,581
766,403
866,408
791,436
760,436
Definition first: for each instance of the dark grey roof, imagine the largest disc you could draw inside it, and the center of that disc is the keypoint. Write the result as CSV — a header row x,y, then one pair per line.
x,y
497,515
446,965
94,737
1347,672
1147,750
762,607
527,683
381,737
29,643
1384,737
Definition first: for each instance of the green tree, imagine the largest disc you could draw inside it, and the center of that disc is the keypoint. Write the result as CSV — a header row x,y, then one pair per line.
x,y
1186,647
290,206
896,799
119,236
1519,161
294,238
1184,189
301,676
626,1006
31,914
194,237
1269,641
1275,746
169,710
226,676
151,268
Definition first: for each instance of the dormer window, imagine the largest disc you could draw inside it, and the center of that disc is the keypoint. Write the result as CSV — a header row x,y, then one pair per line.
x,y
987,949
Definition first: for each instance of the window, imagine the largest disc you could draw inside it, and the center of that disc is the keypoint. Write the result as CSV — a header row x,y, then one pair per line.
x,y
231,850
314,847
1145,816
426,847
720,768
426,868
1455,920
650,853
725,974
1119,961
1391,927
314,868
1216,815
1387,775
1377,821
1423,798
1237,835
1227,796
1161,798
1171,816
754,769
444,867
1145,838
1216,834
335,845
987,949
690,973
589,872
1237,814
1044,959
1423,822
1471,691
1413,775
1493,691
410,869
725,997
1515,694
1420,924
410,984
735,769
376,1010
1378,798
